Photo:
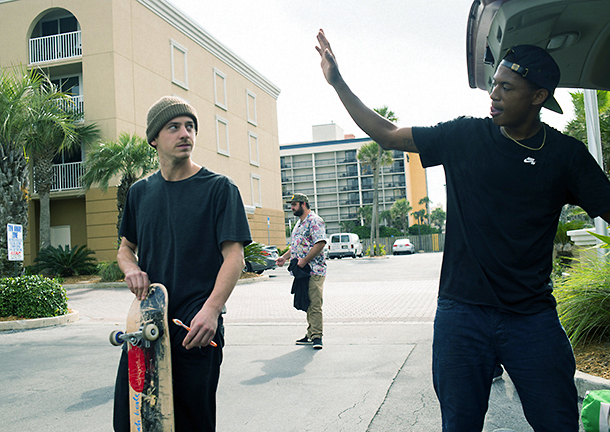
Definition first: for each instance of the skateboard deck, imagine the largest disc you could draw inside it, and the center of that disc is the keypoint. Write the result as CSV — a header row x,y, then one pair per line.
x,y
151,400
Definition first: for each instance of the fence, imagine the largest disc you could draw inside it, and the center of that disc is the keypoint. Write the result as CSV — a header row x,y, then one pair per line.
x,y
426,243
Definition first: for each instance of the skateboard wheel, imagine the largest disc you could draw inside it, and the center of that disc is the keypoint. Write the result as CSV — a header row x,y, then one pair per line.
x,y
115,338
150,332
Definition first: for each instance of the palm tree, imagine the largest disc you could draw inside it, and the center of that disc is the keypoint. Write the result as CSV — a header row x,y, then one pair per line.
x,y
347,226
426,201
14,94
365,214
438,217
382,158
31,117
129,157
43,145
400,212
419,215
372,155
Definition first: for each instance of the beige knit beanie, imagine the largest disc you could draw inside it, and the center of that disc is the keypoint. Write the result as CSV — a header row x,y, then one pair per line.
x,y
165,109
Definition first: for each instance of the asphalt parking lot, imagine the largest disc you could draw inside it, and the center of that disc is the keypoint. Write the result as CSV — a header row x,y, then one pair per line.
x,y
373,375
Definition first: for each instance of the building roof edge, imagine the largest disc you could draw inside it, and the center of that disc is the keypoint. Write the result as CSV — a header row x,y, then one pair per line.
x,y
323,143
181,21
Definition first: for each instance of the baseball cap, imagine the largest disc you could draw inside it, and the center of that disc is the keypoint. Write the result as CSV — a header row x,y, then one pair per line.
x,y
536,65
298,197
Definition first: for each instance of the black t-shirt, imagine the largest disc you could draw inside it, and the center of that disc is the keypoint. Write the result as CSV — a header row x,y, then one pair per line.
x,y
179,228
503,206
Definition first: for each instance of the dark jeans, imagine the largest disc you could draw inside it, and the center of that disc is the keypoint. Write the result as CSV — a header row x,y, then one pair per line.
x,y
195,375
469,341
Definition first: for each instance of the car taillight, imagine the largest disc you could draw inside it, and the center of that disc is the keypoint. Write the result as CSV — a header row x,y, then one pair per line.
x,y
265,253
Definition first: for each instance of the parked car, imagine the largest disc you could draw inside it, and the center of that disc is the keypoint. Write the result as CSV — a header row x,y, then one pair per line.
x,y
345,244
575,32
269,254
403,246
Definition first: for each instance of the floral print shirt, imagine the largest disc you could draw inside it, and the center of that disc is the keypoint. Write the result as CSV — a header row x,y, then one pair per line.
x,y
305,235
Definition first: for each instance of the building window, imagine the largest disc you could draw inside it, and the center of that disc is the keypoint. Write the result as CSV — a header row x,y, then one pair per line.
x,y
255,184
251,107
253,145
220,89
56,26
60,236
179,65
222,136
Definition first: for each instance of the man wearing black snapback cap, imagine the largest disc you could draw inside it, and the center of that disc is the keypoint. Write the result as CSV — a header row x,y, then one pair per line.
x,y
508,176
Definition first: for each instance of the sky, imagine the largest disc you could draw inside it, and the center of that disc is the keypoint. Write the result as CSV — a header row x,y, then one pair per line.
x,y
406,54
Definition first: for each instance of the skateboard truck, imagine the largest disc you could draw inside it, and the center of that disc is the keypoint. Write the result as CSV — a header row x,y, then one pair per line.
x,y
143,337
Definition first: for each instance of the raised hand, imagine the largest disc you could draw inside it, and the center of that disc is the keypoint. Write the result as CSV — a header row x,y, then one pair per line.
x,y
328,61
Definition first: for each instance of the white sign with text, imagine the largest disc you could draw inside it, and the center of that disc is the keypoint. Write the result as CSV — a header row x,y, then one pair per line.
x,y
14,234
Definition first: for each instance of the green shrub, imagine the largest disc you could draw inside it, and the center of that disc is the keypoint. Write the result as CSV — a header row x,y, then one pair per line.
x,y
363,232
281,252
379,248
423,229
254,253
57,261
32,297
385,231
110,271
583,301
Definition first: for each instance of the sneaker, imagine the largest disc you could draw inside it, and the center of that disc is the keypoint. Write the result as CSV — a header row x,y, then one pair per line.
x,y
304,341
317,343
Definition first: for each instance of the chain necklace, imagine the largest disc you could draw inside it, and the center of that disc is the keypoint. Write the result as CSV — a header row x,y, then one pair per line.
x,y
505,133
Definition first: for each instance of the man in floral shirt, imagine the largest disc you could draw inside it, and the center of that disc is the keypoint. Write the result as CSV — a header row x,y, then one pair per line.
x,y
306,245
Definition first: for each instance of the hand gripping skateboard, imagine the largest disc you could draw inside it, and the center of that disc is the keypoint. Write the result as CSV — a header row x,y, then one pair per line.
x,y
151,400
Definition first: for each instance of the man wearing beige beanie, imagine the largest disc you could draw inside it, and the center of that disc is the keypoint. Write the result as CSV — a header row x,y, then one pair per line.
x,y
188,227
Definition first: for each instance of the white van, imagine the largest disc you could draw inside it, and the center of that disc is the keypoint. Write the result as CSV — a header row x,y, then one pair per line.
x,y
344,244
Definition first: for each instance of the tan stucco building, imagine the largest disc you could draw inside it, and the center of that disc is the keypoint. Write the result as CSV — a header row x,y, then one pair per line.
x,y
117,57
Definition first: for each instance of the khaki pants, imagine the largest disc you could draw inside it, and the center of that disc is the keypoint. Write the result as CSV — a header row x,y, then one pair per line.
x,y
314,312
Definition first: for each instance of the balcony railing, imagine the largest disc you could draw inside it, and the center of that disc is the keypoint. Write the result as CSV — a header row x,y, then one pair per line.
x,y
324,162
76,105
301,164
326,176
303,178
327,190
55,47
67,176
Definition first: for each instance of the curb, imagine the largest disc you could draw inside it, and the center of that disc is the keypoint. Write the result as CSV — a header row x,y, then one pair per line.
x,y
27,324
585,383
124,285
96,285
252,280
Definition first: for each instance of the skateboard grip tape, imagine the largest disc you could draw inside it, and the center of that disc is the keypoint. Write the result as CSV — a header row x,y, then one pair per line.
x,y
137,368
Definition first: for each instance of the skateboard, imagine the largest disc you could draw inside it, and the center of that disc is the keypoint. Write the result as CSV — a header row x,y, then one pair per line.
x,y
151,400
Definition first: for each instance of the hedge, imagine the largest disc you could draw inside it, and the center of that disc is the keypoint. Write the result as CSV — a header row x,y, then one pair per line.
x,y
32,297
